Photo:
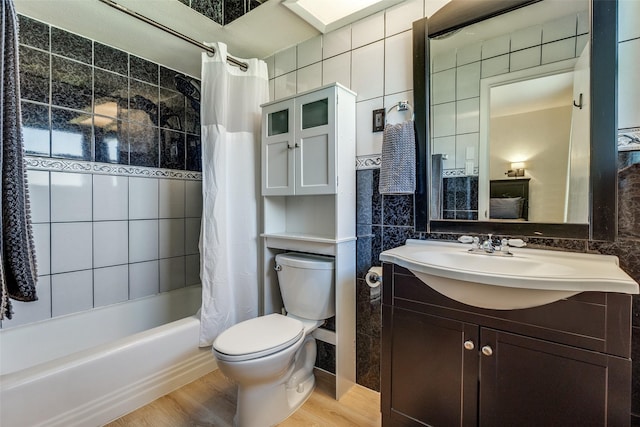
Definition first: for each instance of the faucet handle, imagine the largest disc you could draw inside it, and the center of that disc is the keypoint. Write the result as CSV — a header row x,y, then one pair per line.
x,y
516,243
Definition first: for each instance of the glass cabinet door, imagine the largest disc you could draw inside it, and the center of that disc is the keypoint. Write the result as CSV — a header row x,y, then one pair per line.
x,y
315,114
278,122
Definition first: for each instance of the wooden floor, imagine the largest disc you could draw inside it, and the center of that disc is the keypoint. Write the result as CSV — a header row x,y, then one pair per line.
x,y
211,401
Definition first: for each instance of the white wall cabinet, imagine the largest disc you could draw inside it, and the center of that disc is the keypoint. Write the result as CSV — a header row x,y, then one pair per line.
x,y
308,188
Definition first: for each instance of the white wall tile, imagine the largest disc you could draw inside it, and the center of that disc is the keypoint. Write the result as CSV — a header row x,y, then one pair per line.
x,y
172,239
71,197
110,285
468,54
367,141
432,6
367,75
144,279
39,195
584,21
309,77
462,143
192,270
42,243
71,246
628,13
71,292
191,236
285,61
143,240
336,42
111,195
400,18
496,46
468,115
468,81
337,69
527,37
446,146
398,63
193,198
495,66
171,198
28,312
443,86
444,119
284,86
110,243
172,273
444,60
310,51
143,198
557,51
559,29
526,58
270,60
629,84
581,43
272,90
367,30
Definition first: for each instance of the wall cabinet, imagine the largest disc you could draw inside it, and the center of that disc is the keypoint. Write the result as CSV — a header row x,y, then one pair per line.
x,y
448,364
308,188
299,144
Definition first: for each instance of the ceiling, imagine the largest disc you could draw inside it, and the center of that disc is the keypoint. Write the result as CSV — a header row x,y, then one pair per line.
x,y
259,33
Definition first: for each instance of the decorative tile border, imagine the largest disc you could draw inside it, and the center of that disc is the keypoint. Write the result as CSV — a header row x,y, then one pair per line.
x,y
64,165
368,162
450,173
629,139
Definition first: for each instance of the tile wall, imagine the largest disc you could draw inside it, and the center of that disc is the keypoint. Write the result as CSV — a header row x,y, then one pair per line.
x,y
223,12
113,159
373,57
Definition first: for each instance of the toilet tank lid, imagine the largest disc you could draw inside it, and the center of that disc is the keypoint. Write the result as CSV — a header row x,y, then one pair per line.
x,y
263,335
308,261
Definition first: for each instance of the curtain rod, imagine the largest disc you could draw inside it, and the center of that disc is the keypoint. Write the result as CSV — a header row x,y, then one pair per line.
x,y
242,65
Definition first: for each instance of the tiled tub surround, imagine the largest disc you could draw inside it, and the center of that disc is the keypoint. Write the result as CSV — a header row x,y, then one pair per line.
x,y
223,12
105,234
456,76
87,101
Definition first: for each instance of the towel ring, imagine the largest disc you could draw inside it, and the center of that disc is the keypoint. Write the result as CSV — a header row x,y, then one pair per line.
x,y
401,106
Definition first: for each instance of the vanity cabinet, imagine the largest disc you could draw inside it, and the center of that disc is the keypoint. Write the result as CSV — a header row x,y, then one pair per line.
x,y
300,137
308,203
445,363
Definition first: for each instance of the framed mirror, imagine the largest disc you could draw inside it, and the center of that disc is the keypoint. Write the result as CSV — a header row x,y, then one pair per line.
x,y
515,113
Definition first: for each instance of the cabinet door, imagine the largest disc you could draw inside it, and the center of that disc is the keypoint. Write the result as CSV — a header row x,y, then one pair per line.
x,y
433,378
530,382
278,149
315,146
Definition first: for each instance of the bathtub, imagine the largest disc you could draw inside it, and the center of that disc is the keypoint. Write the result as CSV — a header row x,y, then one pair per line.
x,y
89,368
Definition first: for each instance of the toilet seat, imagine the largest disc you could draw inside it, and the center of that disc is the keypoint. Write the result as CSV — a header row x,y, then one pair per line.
x,y
258,337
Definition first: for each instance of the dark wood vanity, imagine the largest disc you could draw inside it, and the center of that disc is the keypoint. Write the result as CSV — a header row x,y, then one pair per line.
x,y
445,363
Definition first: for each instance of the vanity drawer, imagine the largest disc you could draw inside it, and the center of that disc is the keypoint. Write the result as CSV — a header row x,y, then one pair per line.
x,y
591,320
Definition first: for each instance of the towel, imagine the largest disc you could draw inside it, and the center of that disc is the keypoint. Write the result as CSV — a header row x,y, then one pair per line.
x,y
398,164
17,255
436,186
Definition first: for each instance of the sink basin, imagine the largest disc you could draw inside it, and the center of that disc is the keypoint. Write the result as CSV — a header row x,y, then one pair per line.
x,y
532,277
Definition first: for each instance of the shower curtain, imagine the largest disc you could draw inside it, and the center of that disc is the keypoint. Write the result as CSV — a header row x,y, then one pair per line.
x,y
229,241
17,255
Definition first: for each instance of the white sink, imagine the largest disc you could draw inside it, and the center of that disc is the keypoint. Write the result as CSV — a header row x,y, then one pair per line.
x,y
531,277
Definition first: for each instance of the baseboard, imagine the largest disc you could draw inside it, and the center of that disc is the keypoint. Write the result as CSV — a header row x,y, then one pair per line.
x,y
120,402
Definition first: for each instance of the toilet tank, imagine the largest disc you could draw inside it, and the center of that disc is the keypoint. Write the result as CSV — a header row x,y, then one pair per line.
x,y
307,284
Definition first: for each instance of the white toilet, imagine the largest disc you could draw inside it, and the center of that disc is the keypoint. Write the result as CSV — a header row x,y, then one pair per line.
x,y
271,357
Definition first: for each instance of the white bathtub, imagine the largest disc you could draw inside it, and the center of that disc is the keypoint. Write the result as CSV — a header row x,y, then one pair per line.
x,y
89,368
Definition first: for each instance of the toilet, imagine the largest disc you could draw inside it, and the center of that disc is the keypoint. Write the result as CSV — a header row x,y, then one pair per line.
x,y
271,357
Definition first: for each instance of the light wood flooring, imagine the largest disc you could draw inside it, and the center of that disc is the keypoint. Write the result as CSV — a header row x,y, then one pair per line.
x,y
211,401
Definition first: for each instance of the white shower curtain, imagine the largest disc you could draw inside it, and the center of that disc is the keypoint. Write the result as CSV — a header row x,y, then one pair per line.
x,y
229,241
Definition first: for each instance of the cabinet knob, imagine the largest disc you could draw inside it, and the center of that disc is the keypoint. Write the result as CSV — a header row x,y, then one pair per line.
x,y
468,345
487,350
289,147
297,145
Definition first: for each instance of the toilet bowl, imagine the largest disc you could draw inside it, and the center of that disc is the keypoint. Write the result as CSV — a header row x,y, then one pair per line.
x,y
271,357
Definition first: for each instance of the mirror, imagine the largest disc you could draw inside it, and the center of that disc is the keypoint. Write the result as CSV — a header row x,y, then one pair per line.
x,y
506,122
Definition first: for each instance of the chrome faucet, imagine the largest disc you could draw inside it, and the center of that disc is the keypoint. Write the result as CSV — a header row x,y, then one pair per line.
x,y
488,247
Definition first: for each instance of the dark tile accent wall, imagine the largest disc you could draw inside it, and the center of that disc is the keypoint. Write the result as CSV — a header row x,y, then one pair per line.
x,y
461,201
87,101
223,12
385,222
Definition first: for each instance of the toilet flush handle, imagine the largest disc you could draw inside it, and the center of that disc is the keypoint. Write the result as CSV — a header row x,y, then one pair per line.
x,y
278,267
